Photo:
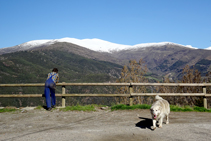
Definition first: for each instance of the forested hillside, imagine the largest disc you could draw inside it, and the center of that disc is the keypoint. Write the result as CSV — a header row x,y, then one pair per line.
x,y
79,64
33,67
169,59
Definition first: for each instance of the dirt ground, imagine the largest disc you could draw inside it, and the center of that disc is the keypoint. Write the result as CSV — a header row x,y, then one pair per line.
x,y
102,125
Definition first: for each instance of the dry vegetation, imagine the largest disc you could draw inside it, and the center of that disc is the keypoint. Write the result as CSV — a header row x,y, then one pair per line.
x,y
135,73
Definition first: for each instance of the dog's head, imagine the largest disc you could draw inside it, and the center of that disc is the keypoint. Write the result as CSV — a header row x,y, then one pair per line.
x,y
155,111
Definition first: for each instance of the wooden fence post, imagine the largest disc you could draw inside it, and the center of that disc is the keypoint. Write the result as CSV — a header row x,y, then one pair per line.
x,y
205,99
131,97
63,97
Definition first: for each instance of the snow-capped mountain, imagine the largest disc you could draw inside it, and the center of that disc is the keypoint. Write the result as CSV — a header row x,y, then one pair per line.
x,y
32,44
105,46
92,44
209,48
161,58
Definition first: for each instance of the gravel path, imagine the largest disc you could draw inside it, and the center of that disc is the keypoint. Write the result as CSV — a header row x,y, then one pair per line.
x,y
133,125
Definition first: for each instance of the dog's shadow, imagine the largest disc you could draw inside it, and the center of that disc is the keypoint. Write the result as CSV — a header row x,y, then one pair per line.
x,y
144,123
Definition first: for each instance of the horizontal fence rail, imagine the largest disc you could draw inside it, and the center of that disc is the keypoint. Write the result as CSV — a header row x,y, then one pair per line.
x,y
108,84
130,85
169,94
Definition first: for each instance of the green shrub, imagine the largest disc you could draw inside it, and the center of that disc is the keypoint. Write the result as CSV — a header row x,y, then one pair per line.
x,y
7,110
39,107
176,108
79,108
201,109
173,108
127,107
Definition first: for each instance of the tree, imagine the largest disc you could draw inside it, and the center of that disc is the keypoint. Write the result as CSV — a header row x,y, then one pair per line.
x,y
189,76
134,73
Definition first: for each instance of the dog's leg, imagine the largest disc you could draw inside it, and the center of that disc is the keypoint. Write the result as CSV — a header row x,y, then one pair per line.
x,y
167,119
160,122
154,124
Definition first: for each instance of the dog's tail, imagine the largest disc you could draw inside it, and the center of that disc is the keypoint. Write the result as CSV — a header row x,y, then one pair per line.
x,y
157,97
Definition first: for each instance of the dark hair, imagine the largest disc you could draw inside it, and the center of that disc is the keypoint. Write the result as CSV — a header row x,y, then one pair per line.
x,y
55,70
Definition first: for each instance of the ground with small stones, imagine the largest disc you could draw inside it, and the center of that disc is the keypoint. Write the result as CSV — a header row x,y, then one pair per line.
x,y
102,125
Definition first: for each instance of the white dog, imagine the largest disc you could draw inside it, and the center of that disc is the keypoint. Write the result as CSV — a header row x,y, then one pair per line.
x,y
160,109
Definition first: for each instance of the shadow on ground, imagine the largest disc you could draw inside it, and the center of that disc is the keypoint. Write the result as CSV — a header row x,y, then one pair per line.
x,y
45,107
144,123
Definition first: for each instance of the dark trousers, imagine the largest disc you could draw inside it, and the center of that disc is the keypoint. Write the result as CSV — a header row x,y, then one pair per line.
x,y
50,93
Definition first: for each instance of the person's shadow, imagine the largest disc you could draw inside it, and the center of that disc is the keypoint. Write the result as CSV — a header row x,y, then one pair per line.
x,y
45,107
144,123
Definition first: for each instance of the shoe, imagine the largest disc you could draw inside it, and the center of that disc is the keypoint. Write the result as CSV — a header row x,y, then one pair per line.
x,y
49,109
53,106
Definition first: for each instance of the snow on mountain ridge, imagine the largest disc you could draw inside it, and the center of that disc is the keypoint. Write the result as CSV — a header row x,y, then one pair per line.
x,y
209,48
161,44
93,44
105,46
33,43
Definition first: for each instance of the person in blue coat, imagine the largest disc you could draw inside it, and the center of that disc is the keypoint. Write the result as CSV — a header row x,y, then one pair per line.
x,y
50,85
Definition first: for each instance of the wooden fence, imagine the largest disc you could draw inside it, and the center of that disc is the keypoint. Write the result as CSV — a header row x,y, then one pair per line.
x,y
130,95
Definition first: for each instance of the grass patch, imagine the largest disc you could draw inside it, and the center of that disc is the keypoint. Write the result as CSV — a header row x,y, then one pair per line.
x,y
201,109
79,108
7,110
127,107
188,109
38,107
173,108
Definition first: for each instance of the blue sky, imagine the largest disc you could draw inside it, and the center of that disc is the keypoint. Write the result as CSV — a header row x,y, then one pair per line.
x,y
127,22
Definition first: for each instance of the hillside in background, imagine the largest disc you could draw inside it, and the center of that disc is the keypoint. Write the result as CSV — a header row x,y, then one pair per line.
x,y
79,64
81,51
161,58
169,59
33,66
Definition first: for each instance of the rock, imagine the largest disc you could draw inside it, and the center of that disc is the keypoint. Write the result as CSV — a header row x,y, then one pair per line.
x,y
104,108
10,107
23,111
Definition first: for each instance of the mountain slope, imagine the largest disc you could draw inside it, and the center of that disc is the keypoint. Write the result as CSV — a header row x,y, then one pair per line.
x,y
168,58
30,63
79,50
33,66
161,58
92,44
